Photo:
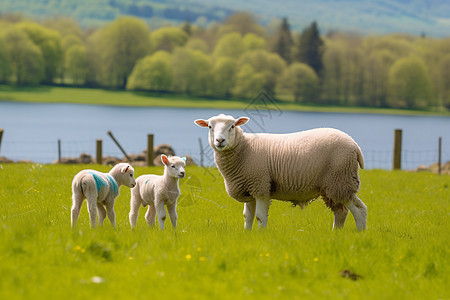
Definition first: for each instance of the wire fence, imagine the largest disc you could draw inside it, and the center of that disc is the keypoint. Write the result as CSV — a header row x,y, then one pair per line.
x,y
202,154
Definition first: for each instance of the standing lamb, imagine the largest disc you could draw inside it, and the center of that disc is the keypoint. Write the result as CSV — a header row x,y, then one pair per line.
x,y
100,191
296,167
157,191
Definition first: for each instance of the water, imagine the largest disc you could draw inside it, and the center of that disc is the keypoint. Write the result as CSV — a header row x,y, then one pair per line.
x,y
32,131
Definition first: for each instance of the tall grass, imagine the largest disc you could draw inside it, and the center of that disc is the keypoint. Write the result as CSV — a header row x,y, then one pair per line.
x,y
403,254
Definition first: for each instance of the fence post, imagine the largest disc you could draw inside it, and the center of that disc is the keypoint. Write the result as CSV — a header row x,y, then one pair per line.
x,y
1,135
440,155
59,151
201,151
118,145
150,150
99,151
397,159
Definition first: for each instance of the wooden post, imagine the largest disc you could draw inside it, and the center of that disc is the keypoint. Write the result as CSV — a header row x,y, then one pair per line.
x,y
99,150
440,155
150,150
59,151
1,135
201,151
397,159
118,145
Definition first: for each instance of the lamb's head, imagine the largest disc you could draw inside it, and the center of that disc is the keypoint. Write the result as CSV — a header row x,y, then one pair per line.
x,y
174,165
222,130
124,174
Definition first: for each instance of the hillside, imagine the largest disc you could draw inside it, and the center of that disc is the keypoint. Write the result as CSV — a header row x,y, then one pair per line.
x,y
366,16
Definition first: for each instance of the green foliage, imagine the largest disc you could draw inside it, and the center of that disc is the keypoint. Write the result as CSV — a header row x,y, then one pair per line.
x,y
409,83
310,48
211,255
283,41
75,61
167,38
224,76
152,72
230,45
301,80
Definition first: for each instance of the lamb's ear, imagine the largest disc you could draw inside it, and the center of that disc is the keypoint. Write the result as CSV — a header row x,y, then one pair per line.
x,y
184,159
164,159
201,123
241,121
125,168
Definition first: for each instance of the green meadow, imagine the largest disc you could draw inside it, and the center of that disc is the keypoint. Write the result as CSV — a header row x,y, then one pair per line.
x,y
404,253
53,94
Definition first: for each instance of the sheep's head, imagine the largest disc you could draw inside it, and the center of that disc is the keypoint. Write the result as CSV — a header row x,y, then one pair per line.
x,y
126,175
222,130
174,165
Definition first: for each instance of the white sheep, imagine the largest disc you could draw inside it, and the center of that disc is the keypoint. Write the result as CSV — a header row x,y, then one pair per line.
x,y
100,190
296,167
158,191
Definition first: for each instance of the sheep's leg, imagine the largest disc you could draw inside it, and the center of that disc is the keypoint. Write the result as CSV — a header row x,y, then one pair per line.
x,y
340,215
161,212
92,209
101,214
262,211
172,209
77,200
111,213
134,209
249,214
150,215
359,212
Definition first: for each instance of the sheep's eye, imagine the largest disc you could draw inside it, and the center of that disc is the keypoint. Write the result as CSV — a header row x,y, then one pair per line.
x,y
173,166
210,127
131,175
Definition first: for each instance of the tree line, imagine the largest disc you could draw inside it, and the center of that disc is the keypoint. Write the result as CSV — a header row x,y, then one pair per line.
x,y
234,59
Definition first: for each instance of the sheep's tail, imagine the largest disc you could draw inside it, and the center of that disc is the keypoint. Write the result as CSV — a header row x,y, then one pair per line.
x,y
360,157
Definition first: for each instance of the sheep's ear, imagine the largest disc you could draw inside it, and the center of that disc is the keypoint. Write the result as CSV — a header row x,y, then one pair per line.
x,y
125,168
164,159
184,159
201,123
241,121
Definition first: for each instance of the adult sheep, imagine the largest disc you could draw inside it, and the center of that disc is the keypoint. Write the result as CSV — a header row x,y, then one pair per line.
x,y
296,167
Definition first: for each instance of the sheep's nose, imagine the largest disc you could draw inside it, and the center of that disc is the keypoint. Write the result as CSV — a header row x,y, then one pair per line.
x,y
220,141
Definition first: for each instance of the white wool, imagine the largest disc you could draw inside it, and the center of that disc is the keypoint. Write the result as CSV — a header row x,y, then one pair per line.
x,y
100,191
296,167
158,191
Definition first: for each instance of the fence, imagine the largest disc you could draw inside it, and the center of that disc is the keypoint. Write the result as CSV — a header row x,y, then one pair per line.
x,y
201,153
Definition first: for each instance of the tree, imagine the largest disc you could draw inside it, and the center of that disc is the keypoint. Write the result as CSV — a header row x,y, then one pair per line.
x,y
26,61
248,82
283,41
253,42
168,38
5,68
224,76
75,63
300,80
49,42
152,72
116,49
230,45
243,23
376,71
310,48
409,83
444,81
192,72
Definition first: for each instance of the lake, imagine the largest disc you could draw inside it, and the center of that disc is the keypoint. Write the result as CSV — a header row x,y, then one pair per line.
x,y
32,131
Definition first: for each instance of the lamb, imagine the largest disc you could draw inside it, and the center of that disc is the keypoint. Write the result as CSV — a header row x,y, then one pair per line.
x,y
157,191
100,191
296,167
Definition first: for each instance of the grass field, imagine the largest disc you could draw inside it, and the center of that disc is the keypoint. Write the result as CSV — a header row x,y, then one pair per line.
x,y
404,253
50,94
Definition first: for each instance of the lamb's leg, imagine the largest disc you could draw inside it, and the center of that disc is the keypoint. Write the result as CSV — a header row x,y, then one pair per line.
x,y
92,209
161,212
150,215
359,212
77,200
135,203
249,214
111,213
172,209
101,214
262,211
340,215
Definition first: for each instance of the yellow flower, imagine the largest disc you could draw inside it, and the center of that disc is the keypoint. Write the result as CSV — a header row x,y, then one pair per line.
x,y
202,258
286,256
316,259
188,256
